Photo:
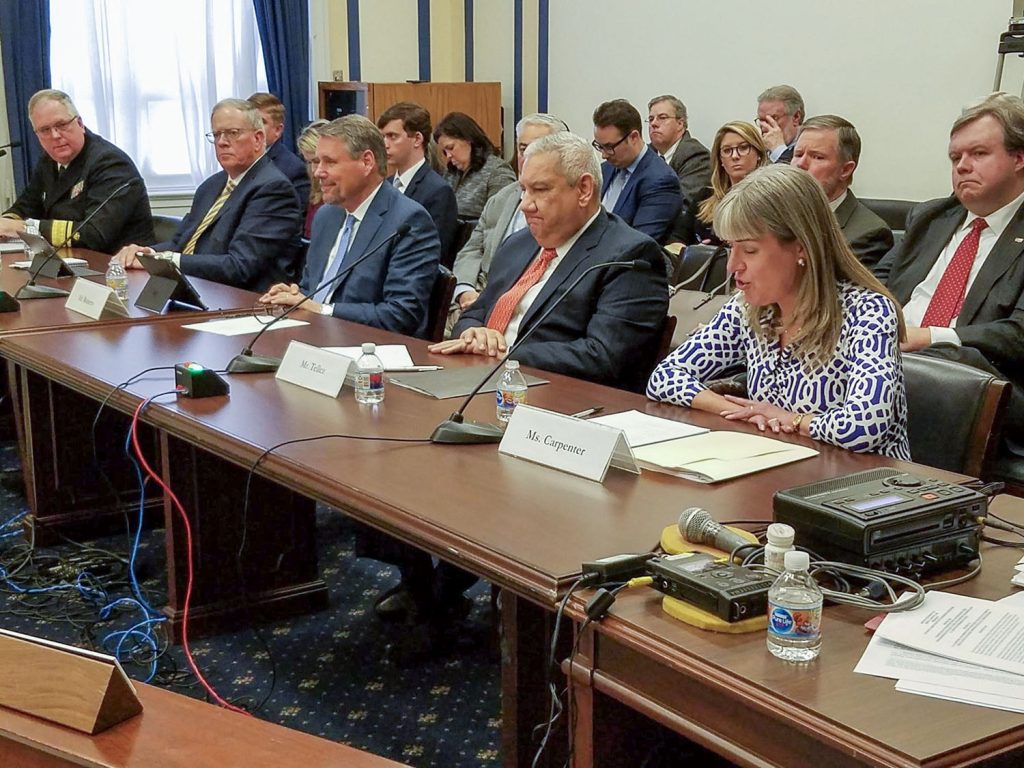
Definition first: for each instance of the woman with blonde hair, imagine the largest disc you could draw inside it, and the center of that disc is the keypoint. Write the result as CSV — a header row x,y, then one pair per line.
x,y
738,150
306,143
818,334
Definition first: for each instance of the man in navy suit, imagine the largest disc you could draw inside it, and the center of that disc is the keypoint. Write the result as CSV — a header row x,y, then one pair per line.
x,y
245,222
389,289
287,162
407,131
638,185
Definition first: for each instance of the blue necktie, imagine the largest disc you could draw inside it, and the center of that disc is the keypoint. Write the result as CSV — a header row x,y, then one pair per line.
x,y
324,293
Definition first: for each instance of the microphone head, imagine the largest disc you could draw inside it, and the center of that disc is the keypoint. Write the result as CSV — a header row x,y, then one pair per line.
x,y
402,230
3,152
694,523
641,265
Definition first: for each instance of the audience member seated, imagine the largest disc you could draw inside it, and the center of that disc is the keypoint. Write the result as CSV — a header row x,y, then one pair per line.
x,y
818,334
638,186
244,225
307,142
391,288
287,162
780,111
501,217
475,171
738,149
80,170
958,271
406,129
828,147
607,329
670,138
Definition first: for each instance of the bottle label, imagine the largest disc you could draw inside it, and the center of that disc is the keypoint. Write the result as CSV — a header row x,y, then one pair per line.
x,y
375,381
508,399
802,624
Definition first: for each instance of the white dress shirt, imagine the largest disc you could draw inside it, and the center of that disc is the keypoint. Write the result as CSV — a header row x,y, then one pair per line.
x,y
405,179
358,215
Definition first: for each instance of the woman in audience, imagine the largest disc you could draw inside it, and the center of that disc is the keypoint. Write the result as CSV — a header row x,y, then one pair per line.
x,y
818,334
475,171
738,149
307,142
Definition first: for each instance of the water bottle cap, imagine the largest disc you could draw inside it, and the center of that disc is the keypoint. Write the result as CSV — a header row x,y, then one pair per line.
x,y
369,348
797,561
780,535
511,365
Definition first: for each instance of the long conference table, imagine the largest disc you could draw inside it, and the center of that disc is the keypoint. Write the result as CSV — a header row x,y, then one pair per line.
x,y
523,527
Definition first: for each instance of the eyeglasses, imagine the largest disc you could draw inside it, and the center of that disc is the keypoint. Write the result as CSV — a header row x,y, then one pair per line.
x,y
740,150
662,118
607,149
62,127
231,134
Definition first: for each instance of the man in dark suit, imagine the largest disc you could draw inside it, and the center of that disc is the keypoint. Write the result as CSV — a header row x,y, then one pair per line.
x,y
828,147
79,172
389,289
780,111
244,225
959,271
407,131
287,162
670,138
638,186
607,329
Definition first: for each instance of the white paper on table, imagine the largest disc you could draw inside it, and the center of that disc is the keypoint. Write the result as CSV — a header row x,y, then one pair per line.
x,y
883,658
71,261
236,326
392,356
1016,598
12,246
644,429
967,629
961,696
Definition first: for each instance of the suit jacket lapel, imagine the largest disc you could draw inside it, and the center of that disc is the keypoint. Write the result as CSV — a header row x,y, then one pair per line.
x,y
924,254
567,267
846,209
1004,253
368,227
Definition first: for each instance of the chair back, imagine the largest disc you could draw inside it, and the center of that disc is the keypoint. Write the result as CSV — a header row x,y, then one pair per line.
x,y
165,227
668,329
893,212
440,303
463,230
954,413
702,268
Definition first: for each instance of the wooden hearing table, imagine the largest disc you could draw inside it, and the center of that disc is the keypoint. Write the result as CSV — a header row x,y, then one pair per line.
x,y
639,666
523,527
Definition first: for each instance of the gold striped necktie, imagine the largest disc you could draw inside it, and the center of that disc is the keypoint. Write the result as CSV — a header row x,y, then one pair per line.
x,y
190,246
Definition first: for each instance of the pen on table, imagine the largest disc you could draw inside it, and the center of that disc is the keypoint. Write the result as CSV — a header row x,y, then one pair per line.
x,y
587,412
414,368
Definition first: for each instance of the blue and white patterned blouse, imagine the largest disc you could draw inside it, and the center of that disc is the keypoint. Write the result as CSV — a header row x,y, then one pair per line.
x,y
858,395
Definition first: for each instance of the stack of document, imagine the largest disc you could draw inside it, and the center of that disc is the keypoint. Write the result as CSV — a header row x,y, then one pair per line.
x,y
709,457
955,648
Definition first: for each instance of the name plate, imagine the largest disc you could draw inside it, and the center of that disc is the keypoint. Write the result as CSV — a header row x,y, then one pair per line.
x,y
576,446
93,299
313,368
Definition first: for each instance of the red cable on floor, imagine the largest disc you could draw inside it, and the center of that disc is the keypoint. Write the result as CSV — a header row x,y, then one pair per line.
x,y
188,549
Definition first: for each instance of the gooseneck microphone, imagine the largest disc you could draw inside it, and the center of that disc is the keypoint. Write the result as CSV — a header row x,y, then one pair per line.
x,y
698,527
246,362
32,291
456,429
11,145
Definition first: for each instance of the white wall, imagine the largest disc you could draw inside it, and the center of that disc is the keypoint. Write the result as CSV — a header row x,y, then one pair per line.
x,y
389,41
493,55
900,70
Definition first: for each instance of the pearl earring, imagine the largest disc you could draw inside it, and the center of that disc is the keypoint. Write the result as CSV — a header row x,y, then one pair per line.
x,y
801,262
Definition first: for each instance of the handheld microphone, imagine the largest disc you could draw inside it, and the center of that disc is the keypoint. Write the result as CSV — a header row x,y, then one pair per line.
x,y
246,362
32,291
698,527
456,429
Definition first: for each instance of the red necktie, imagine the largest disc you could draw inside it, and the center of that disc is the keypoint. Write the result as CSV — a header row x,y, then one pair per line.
x,y
949,294
507,303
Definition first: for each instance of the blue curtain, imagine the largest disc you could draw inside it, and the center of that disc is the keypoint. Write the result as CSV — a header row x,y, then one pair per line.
x,y
284,32
25,39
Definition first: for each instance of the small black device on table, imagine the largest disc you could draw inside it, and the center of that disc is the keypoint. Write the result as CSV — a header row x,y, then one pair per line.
x,y
721,588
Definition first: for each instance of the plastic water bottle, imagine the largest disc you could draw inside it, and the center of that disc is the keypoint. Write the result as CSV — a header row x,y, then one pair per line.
x,y
369,376
511,390
117,279
780,541
794,612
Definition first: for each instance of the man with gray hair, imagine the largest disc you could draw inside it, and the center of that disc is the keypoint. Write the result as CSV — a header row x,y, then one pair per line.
x,y
670,138
607,328
389,289
80,170
780,111
828,148
245,222
501,217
